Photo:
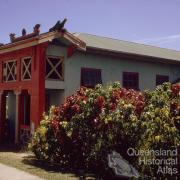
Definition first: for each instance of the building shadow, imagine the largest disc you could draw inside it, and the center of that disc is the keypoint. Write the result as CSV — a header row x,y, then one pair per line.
x,y
34,163
9,147
80,174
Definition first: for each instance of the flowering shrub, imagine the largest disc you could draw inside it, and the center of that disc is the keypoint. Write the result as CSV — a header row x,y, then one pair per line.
x,y
160,122
93,122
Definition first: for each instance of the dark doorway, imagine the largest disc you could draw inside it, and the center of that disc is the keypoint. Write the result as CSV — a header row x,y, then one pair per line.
x,y
10,121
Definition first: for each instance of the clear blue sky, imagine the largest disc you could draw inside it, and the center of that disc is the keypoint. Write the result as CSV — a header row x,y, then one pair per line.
x,y
155,22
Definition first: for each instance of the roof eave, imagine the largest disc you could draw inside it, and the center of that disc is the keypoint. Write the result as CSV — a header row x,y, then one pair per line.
x,y
42,38
134,55
81,45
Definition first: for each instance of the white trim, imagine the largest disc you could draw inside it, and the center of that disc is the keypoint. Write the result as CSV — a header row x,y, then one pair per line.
x,y
14,76
53,67
26,68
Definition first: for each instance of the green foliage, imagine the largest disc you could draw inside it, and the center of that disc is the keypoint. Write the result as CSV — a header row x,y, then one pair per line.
x,y
94,122
159,123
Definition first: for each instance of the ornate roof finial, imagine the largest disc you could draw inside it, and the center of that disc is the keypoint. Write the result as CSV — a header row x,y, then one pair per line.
x,y
12,37
37,28
58,26
23,32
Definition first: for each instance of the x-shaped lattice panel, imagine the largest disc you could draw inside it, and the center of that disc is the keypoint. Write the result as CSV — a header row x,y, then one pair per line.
x,y
10,71
54,68
26,69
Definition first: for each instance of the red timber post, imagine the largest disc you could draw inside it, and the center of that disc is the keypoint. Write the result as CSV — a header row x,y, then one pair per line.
x,y
2,114
38,91
18,115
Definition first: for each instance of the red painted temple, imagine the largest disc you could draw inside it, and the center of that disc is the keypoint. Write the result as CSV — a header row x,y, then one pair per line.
x,y
40,70
22,80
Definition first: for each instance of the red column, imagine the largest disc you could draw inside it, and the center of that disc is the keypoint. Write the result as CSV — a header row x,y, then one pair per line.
x,y
42,57
2,114
18,115
1,70
38,92
34,116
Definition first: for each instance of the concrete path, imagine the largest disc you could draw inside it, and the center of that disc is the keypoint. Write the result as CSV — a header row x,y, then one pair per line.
x,y
10,173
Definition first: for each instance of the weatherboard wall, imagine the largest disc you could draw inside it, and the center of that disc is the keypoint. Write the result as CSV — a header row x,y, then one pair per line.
x,y
112,69
57,51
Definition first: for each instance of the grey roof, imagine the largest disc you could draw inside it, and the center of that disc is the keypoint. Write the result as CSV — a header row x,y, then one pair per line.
x,y
115,45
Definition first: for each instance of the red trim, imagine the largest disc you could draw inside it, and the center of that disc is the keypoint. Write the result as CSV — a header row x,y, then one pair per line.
x,y
34,87
70,50
24,127
2,115
31,35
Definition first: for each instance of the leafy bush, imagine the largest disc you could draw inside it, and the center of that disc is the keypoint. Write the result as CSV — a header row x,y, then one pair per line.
x,y
94,122
160,125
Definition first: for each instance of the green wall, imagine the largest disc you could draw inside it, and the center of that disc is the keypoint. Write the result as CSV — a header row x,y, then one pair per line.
x,y
112,69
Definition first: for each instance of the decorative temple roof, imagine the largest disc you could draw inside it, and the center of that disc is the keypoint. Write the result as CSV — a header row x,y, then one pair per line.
x,y
96,43
36,31
34,38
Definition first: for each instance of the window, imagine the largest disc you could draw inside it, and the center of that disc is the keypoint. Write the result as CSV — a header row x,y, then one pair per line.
x,y
10,70
160,79
90,77
131,80
26,69
54,68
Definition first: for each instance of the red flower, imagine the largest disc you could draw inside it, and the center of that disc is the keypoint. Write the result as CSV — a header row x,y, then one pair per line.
x,y
81,91
175,89
115,96
56,111
99,102
66,106
112,106
75,108
122,92
55,123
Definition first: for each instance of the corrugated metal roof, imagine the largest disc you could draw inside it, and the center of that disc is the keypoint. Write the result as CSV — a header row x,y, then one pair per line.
x,y
115,45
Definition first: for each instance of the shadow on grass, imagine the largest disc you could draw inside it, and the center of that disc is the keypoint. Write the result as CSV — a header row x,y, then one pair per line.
x,y
31,160
82,175
9,147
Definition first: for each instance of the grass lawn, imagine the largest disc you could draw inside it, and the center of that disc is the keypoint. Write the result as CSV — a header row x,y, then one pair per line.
x,y
27,163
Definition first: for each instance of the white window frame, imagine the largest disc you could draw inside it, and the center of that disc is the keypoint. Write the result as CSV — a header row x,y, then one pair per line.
x,y
26,68
53,68
10,69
